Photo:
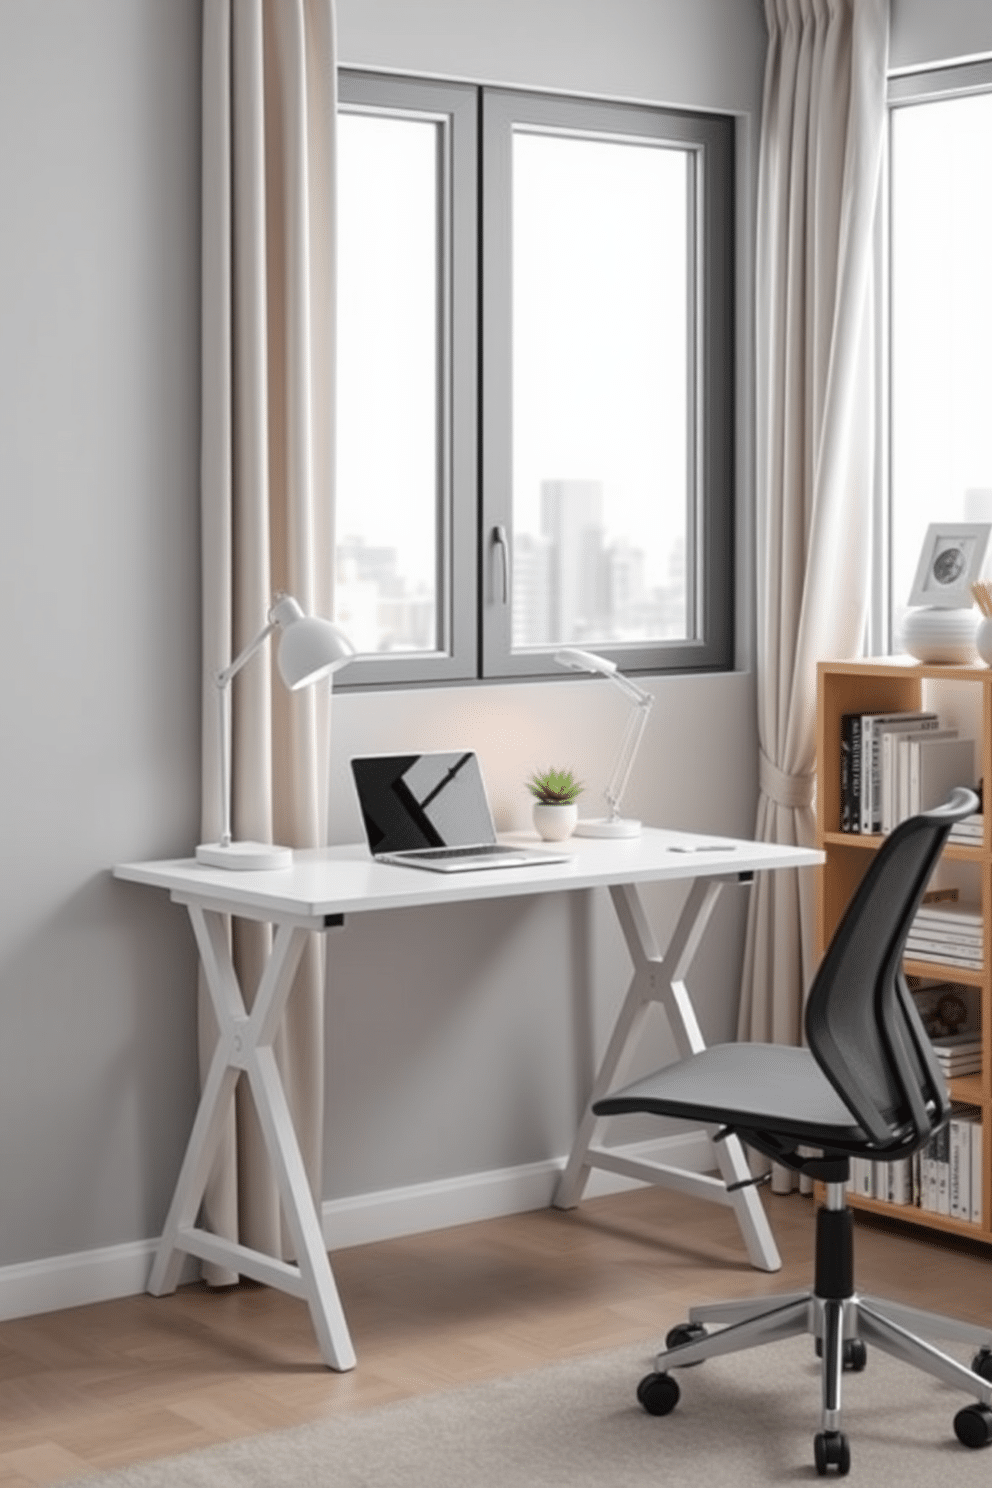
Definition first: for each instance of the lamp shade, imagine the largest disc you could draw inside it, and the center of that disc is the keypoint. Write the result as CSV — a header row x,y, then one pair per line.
x,y
309,648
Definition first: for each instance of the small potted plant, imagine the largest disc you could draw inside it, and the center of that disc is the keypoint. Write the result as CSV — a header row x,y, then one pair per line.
x,y
555,795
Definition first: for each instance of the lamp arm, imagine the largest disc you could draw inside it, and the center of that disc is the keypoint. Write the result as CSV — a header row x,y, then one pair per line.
x,y
223,682
630,689
226,677
629,744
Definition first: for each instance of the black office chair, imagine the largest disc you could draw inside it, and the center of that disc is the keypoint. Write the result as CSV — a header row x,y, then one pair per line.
x,y
867,1086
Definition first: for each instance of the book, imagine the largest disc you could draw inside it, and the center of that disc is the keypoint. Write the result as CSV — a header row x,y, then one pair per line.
x,y
850,772
899,1181
959,1180
905,805
971,831
977,1182
965,1128
951,934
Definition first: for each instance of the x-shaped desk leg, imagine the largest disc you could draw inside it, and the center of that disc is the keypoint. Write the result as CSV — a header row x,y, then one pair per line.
x,y
244,1046
661,979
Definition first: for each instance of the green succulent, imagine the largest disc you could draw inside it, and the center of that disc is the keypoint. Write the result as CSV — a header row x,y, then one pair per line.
x,y
554,787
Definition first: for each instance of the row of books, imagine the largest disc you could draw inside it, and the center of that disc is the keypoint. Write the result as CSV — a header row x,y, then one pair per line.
x,y
970,832
959,1054
949,934
893,765
944,1177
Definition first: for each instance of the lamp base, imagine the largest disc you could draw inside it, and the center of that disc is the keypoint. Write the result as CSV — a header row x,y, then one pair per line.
x,y
607,826
244,857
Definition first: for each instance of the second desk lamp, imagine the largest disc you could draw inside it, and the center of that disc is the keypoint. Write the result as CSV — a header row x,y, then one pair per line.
x,y
613,825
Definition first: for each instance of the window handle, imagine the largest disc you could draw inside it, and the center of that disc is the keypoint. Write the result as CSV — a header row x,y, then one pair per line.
x,y
502,545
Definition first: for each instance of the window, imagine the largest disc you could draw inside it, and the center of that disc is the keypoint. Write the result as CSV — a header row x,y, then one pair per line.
x,y
535,369
940,298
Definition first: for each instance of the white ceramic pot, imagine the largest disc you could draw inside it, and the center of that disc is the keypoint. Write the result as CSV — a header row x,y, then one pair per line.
x,y
945,636
555,823
983,641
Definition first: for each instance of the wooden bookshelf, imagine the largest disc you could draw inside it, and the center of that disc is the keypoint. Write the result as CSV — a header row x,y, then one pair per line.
x,y
891,685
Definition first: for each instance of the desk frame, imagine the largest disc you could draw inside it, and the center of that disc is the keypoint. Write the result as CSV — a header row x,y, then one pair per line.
x,y
245,1039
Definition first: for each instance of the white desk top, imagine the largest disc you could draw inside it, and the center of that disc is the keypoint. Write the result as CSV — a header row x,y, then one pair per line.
x,y
345,880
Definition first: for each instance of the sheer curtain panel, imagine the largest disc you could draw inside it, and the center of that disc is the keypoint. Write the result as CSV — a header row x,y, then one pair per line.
x,y
820,171
269,108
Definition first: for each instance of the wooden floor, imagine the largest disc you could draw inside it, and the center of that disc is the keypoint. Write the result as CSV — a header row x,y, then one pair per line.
x,y
97,1387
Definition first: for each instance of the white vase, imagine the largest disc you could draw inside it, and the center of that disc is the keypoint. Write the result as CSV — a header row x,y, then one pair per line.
x,y
983,641
555,822
945,636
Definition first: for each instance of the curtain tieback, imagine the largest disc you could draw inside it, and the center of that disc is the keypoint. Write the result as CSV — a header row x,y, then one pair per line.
x,y
790,791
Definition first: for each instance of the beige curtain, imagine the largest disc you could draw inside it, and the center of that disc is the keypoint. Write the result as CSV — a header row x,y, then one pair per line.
x,y
820,170
269,107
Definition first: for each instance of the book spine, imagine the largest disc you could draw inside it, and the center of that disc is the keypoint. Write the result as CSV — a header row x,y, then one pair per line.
x,y
865,794
846,779
977,1173
854,783
960,1169
943,1167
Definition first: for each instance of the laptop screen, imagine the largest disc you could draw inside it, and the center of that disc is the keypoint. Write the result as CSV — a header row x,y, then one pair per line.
x,y
411,801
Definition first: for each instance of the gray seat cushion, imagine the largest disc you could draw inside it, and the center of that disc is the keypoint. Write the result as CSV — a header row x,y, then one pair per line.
x,y
757,1087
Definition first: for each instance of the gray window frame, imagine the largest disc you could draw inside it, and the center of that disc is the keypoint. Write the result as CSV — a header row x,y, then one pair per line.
x,y
475,435
454,107
710,140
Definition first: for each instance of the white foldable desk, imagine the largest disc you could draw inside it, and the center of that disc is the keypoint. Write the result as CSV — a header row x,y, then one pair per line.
x,y
316,894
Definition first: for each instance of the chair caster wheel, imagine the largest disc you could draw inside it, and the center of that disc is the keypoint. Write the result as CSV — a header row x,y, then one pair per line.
x,y
973,1426
855,1354
982,1363
685,1333
658,1394
830,1449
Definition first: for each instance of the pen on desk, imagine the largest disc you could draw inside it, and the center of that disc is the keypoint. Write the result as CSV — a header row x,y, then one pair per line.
x,y
705,847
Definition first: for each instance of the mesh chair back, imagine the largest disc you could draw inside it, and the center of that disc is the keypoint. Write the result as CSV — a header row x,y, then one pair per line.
x,y
861,1023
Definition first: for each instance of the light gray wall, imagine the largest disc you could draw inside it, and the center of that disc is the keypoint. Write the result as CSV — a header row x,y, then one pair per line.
x,y
451,1049
98,572
927,31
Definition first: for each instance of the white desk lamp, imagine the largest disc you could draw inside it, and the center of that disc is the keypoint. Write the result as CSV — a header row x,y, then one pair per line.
x,y
310,649
613,825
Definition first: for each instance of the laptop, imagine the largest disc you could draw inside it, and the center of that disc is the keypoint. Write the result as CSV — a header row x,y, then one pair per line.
x,y
431,811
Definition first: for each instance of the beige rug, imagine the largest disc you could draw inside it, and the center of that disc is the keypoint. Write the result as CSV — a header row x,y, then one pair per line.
x,y
740,1423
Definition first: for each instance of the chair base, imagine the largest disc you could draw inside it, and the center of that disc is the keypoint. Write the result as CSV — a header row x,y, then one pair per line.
x,y
834,1322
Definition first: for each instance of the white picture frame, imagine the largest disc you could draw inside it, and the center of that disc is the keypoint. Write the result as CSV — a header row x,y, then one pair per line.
x,y
952,559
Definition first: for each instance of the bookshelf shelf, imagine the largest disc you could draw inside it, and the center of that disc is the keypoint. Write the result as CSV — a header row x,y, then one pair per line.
x,y
955,851
894,685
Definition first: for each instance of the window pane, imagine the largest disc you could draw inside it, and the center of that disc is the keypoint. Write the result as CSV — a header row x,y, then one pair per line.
x,y
389,409
941,367
601,417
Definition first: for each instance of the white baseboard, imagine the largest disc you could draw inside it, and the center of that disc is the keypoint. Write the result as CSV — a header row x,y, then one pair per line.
x,y
364,1218
77,1280
122,1270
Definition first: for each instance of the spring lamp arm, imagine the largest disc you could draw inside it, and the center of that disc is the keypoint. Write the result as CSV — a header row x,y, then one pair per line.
x,y
613,825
